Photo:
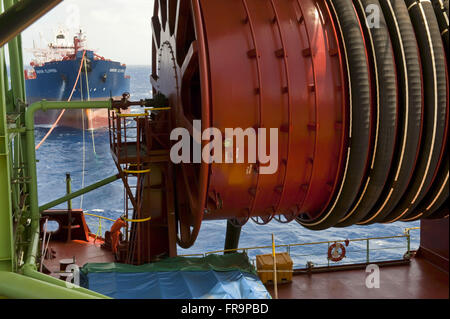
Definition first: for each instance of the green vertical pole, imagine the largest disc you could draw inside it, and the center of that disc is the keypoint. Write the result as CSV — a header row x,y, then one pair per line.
x,y
232,236
328,258
5,72
18,92
16,69
68,190
21,66
17,172
367,252
6,241
69,207
18,88
14,176
408,243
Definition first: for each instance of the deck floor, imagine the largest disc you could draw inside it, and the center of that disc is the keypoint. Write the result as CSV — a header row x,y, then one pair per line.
x,y
419,280
84,252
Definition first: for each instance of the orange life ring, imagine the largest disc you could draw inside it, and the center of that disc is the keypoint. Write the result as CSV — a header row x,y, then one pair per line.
x,y
334,254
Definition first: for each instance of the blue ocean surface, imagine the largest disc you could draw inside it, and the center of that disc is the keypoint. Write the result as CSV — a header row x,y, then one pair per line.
x,y
64,150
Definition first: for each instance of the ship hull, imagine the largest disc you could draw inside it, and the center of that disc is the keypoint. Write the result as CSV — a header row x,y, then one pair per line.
x,y
98,80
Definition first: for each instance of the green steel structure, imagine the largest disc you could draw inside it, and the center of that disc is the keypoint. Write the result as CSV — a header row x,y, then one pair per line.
x,y
19,209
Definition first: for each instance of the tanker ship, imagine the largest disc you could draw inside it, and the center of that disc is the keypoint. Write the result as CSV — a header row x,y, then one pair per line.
x,y
356,96
68,71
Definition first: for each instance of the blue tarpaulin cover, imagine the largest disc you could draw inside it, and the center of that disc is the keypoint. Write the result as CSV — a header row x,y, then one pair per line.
x,y
217,277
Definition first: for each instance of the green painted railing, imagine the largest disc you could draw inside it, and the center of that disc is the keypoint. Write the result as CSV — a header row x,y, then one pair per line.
x,y
78,193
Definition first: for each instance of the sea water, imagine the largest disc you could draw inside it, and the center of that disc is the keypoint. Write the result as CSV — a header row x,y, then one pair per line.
x,y
64,150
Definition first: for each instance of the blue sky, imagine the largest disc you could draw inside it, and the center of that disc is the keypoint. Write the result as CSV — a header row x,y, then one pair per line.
x,y
116,29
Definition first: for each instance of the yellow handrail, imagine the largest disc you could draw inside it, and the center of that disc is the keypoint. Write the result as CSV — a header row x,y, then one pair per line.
x,y
100,217
128,220
136,172
157,109
133,115
138,220
146,110
99,230
410,228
